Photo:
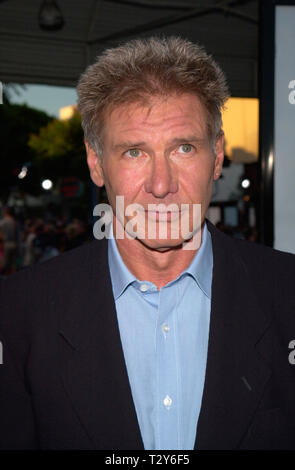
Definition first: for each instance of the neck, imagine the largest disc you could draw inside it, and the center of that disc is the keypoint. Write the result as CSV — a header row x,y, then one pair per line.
x,y
147,264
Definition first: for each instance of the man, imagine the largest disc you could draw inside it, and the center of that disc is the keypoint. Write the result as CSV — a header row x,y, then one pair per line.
x,y
152,342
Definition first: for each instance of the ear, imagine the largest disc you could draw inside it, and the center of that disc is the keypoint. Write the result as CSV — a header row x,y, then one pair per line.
x,y
94,166
219,152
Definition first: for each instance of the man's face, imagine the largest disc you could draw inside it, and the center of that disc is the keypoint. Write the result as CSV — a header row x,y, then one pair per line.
x,y
158,154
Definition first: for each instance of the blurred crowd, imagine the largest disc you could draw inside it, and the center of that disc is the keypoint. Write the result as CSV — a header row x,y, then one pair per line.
x,y
36,239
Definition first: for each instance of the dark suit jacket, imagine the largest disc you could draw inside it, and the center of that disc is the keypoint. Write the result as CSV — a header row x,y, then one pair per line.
x,y
63,381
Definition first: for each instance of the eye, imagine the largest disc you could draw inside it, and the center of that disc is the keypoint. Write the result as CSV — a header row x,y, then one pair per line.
x,y
133,153
185,148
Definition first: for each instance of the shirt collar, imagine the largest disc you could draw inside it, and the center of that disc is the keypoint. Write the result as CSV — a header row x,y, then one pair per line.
x,y
120,275
200,268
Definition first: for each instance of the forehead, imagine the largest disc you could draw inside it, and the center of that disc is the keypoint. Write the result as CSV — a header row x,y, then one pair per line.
x,y
158,115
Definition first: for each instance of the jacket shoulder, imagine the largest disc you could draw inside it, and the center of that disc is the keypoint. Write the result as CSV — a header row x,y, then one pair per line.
x,y
65,265
271,273
26,296
254,253
266,258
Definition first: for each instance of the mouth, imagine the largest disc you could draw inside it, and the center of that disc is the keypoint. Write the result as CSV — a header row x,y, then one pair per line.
x,y
163,216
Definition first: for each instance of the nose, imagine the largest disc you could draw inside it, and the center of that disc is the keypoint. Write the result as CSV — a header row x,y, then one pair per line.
x,y
161,178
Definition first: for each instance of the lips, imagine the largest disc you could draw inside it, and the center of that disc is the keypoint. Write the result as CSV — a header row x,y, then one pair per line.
x,y
162,216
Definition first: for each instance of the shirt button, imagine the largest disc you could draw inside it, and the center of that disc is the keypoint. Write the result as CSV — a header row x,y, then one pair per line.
x,y
144,288
167,401
165,328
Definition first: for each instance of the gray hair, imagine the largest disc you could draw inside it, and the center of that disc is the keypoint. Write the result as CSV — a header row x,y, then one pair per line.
x,y
142,68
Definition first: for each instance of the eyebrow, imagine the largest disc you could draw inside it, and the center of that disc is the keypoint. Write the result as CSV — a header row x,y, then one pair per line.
x,y
193,138
177,140
128,144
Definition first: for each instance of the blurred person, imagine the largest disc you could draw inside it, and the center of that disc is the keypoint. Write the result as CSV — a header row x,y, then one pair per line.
x,y
45,242
71,231
1,251
8,228
252,234
135,342
61,236
76,234
29,236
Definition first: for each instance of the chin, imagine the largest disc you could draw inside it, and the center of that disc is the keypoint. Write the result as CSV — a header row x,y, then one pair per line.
x,y
162,245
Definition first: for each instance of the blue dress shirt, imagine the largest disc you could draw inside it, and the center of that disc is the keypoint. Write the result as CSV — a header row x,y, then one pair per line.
x,y
164,335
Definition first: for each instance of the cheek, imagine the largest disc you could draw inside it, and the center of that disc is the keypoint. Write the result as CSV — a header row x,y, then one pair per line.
x,y
123,182
198,178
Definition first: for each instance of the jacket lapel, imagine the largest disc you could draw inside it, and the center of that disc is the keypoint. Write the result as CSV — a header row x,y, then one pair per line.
x,y
92,361
235,373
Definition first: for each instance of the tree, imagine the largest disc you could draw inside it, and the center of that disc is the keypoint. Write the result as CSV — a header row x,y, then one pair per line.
x,y
17,122
59,148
